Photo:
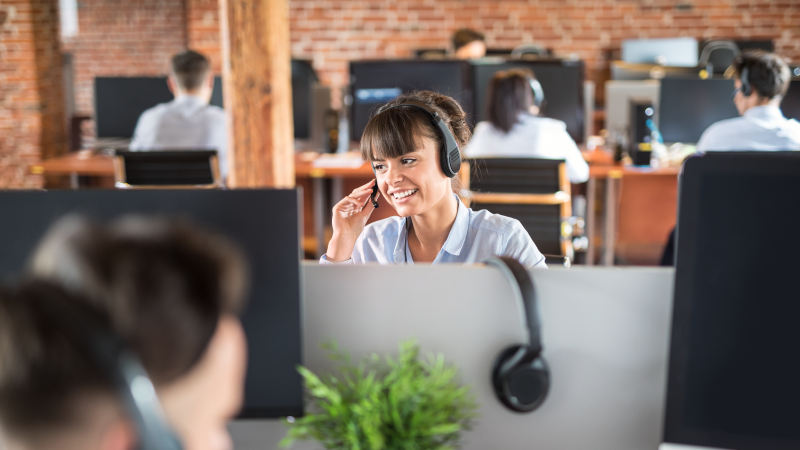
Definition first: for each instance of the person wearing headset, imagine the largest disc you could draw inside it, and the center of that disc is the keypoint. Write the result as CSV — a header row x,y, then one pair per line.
x,y
761,81
163,294
413,144
515,130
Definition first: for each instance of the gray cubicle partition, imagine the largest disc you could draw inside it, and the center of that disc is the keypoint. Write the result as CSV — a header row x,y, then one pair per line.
x,y
605,337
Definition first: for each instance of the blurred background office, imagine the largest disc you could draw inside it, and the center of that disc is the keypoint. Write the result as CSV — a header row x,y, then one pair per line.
x,y
617,74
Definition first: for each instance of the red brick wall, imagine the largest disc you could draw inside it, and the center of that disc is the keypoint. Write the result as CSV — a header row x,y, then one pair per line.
x,y
32,123
124,37
331,33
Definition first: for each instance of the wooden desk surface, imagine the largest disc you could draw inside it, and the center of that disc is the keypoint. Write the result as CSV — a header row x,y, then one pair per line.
x,y
77,162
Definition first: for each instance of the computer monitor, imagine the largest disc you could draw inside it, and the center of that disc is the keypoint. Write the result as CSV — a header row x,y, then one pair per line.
x,y
734,365
681,52
790,105
630,71
272,317
304,78
618,99
374,83
562,83
688,106
119,101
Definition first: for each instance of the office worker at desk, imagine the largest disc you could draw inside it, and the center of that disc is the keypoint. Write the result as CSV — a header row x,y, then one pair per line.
x,y
514,128
187,122
762,80
163,291
413,144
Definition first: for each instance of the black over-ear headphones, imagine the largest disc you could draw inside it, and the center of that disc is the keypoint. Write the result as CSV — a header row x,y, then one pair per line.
x,y
121,367
747,88
449,154
520,376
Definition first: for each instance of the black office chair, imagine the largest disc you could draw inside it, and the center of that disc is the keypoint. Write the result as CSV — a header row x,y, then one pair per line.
x,y
178,169
534,191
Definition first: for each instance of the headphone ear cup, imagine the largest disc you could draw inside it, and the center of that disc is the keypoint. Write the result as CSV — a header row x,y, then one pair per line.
x,y
521,379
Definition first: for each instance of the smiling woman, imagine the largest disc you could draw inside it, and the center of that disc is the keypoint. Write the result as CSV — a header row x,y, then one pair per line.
x,y
413,145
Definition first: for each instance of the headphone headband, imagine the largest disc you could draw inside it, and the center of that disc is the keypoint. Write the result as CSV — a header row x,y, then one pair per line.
x,y
449,154
522,285
744,78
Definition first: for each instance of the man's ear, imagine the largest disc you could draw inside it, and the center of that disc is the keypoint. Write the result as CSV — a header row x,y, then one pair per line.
x,y
119,435
173,87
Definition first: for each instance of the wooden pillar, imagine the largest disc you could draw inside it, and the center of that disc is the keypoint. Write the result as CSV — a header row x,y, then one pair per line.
x,y
256,73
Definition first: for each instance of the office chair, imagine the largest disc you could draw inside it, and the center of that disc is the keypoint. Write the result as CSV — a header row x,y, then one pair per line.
x,y
167,169
534,191
717,56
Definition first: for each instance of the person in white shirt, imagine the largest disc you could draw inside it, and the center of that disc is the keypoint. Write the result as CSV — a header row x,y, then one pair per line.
x,y
762,80
404,143
188,122
514,129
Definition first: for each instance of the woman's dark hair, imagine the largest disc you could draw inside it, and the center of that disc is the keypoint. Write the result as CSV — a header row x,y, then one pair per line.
x,y
768,74
510,94
393,132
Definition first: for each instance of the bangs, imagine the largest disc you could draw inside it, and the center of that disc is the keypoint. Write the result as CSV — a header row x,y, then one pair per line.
x,y
395,132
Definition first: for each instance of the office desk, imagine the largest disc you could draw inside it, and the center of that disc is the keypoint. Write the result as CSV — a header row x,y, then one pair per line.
x,y
637,219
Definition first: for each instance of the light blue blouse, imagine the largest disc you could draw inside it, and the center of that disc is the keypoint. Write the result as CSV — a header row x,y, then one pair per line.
x,y
475,236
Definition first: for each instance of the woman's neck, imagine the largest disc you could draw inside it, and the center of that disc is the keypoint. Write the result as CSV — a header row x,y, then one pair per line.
x,y
429,230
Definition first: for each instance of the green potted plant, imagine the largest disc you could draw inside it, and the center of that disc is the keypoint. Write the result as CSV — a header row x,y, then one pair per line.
x,y
385,404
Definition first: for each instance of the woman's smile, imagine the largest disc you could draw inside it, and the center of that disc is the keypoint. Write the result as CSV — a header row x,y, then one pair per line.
x,y
404,195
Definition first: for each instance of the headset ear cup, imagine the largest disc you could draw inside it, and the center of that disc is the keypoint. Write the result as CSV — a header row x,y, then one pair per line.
x,y
521,379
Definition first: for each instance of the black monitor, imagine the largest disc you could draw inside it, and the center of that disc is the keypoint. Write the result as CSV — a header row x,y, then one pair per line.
x,y
374,83
303,80
734,359
790,105
272,317
562,83
119,101
688,106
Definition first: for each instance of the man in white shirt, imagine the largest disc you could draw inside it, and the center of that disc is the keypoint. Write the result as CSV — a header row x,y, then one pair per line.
x,y
188,122
762,80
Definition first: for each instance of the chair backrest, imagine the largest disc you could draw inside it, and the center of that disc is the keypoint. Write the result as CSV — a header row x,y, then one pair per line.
x,y
515,175
534,191
720,54
166,168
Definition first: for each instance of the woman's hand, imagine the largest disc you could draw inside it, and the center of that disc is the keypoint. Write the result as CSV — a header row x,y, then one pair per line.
x,y
350,217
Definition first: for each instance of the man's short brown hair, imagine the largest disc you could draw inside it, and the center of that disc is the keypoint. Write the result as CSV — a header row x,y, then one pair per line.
x,y
190,69
465,36
767,73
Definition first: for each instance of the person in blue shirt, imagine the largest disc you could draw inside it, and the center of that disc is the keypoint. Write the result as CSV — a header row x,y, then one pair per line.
x,y
403,145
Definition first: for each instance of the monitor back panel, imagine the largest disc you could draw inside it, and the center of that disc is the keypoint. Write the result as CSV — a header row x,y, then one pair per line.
x,y
790,105
562,83
688,106
247,217
734,365
375,83
680,52
119,101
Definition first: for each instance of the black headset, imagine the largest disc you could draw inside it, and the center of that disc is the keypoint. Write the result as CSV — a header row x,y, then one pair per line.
x,y
449,154
121,367
746,87
520,376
